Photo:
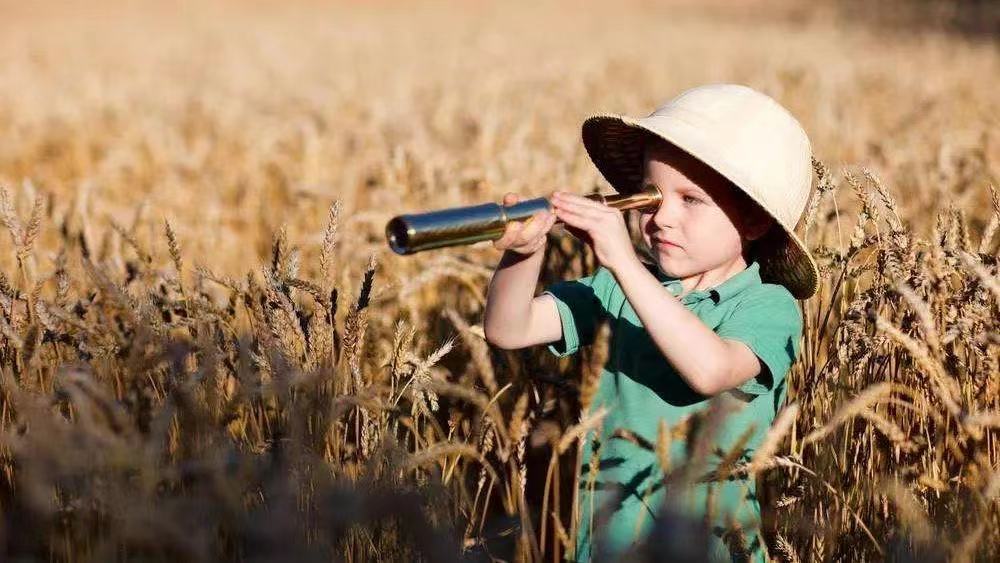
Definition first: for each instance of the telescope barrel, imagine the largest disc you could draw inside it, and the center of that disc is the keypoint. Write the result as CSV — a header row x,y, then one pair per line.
x,y
408,234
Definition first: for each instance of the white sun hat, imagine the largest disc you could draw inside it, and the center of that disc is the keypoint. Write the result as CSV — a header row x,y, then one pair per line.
x,y
745,136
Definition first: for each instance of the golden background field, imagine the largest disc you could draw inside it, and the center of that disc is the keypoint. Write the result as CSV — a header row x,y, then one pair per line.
x,y
239,121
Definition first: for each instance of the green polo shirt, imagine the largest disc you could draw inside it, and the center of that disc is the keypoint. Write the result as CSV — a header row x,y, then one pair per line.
x,y
640,388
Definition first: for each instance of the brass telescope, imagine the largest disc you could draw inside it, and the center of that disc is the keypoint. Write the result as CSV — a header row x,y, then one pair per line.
x,y
455,226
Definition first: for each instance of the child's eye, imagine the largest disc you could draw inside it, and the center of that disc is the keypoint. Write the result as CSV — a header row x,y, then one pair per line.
x,y
693,199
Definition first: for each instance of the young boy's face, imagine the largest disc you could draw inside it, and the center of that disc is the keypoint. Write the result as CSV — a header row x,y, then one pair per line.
x,y
703,222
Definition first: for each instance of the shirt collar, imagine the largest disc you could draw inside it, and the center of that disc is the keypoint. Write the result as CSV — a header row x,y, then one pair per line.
x,y
736,283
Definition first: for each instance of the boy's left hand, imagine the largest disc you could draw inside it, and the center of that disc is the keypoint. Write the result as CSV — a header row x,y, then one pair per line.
x,y
605,227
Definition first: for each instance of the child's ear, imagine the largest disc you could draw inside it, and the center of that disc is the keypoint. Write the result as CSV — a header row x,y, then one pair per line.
x,y
758,223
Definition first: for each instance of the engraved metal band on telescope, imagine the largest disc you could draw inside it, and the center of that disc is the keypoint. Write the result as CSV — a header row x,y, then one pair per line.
x,y
407,234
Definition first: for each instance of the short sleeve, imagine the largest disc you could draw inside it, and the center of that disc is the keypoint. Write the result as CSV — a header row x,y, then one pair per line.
x,y
770,323
581,304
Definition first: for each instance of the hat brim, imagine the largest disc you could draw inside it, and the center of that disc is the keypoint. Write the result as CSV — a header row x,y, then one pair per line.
x,y
615,144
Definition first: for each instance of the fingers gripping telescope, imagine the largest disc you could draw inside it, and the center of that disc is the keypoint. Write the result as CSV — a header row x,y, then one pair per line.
x,y
407,234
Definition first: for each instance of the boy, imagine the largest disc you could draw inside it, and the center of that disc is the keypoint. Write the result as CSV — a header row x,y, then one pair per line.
x,y
709,308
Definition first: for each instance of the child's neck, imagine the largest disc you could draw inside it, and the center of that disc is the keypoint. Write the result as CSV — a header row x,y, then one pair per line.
x,y
713,277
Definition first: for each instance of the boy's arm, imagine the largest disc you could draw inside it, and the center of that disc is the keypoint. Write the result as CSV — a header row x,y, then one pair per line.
x,y
708,363
514,318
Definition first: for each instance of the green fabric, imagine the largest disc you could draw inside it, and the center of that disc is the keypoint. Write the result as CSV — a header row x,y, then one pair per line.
x,y
640,388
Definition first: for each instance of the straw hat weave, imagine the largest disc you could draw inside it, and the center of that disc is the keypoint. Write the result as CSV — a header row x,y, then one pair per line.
x,y
745,136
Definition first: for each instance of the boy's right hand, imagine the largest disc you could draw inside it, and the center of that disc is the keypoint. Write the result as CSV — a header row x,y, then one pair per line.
x,y
525,237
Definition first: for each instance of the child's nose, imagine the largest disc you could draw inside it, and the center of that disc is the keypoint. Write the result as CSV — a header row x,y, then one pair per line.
x,y
666,214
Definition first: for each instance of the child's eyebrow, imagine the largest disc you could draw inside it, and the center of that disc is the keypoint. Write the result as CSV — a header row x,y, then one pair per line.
x,y
688,187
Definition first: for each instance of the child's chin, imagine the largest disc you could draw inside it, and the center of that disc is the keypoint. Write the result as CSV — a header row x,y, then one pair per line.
x,y
669,256
667,264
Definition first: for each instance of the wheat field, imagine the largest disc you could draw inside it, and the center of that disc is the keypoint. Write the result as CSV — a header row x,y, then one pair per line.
x,y
209,353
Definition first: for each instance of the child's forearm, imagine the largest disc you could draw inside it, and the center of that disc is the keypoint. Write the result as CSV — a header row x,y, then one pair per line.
x,y
694,350
509,297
